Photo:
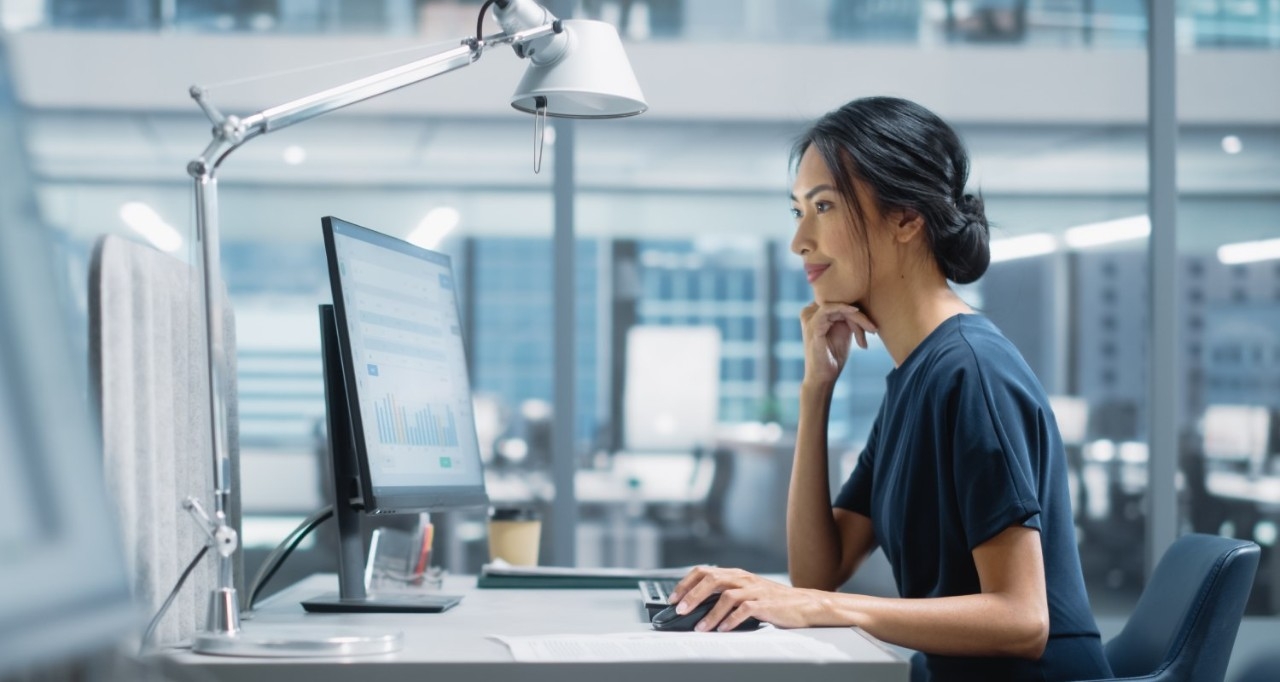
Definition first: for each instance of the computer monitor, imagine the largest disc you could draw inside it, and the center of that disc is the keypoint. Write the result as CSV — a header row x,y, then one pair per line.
x,y
1072,415
402,429
64,586
672,391
1237,432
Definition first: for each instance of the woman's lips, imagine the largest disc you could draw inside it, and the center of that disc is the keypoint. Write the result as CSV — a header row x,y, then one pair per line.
x,y
813,272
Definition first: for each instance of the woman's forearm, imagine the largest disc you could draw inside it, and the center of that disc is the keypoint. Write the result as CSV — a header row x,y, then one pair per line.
x,y
813,542
988,624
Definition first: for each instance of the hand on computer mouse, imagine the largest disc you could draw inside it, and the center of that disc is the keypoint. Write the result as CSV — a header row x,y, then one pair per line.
x,y
668,620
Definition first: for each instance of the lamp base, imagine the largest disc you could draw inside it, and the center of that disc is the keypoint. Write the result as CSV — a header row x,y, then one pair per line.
x,y
298,643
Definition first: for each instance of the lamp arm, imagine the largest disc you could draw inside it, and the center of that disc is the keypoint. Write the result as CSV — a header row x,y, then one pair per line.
x,y
230,132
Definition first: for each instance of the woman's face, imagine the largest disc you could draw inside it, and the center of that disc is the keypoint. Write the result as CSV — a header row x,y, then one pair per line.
x,y
835,251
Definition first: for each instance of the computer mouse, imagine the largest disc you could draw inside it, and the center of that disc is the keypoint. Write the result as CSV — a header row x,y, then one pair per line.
x,y
668,620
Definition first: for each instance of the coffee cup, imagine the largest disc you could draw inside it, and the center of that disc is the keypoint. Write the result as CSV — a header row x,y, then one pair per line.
x,y
514,534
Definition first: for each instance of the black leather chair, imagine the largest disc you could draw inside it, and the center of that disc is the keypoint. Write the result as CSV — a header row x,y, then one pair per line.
x,y
1186,620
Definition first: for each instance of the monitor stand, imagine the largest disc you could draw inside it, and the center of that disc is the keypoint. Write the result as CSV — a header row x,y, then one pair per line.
x,y
352,596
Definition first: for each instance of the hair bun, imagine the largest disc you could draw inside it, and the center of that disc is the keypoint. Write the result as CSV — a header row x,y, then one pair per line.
x,y
966,253
972,207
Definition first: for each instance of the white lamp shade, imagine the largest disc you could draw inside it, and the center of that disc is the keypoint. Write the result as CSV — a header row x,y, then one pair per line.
x,y
592,79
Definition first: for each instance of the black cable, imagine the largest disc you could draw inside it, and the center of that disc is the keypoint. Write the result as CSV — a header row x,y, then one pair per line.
x,y
277,557
155,621
480,19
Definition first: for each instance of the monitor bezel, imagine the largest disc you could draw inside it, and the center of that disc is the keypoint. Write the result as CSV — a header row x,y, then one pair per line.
x,y
400,499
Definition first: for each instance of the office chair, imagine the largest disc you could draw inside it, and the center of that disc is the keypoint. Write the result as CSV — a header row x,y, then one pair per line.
x,y
1186,620
1264,668
147,355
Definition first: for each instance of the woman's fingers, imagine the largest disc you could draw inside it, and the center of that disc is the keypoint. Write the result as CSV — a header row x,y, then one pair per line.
x,y
729,599
696,575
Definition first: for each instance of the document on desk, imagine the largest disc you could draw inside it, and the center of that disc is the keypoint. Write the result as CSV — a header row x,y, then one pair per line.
x,y
768,644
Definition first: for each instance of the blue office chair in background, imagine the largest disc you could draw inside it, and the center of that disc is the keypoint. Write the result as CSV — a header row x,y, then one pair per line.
x,y
1186,620
1265,668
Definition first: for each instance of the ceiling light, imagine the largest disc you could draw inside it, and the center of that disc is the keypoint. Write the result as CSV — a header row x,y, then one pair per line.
x,y
144,220
1024,246
1249,252
294,155
1232,144
438,223
1108,232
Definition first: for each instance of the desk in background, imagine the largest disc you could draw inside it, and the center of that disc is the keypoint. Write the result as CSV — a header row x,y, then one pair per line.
x,y
1251,497
455,645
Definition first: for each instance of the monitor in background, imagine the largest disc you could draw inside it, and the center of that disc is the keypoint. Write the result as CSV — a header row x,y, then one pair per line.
x,y
64,586
402,429
672,392
1072,415
1237,432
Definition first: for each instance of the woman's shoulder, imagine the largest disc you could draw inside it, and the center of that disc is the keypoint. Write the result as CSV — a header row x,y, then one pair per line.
x,y
972,348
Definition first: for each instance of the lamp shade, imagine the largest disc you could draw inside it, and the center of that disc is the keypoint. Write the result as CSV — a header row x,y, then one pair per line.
x,y
592,78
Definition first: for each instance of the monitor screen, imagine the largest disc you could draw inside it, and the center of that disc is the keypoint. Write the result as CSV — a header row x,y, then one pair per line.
x,y
405,368
672,392
1236,432
1072,415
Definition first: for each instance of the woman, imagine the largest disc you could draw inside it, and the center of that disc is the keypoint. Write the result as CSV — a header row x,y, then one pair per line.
x,y
963,481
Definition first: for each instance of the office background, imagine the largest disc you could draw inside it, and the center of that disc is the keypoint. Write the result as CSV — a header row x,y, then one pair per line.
x,y
680,218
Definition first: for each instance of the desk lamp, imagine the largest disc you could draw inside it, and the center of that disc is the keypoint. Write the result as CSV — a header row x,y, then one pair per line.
x,y
577,69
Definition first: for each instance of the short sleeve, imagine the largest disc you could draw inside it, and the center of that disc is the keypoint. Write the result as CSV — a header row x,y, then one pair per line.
x,y
855,495
996,445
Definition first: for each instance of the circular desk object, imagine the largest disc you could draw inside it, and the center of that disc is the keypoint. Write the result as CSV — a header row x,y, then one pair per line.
x,y
299,642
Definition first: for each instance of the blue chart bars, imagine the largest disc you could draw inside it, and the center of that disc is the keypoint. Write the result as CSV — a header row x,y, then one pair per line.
x,y
397,425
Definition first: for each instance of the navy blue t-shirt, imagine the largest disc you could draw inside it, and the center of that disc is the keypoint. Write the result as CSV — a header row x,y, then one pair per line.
x,y
965,446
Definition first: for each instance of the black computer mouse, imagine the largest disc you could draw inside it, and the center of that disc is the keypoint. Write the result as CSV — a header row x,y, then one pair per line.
x,y
668,620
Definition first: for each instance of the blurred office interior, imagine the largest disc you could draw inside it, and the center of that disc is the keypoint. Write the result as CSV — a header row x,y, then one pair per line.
x,y
686,345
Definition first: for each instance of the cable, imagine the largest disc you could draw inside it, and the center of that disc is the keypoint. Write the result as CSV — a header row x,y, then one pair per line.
x,y
480,19
155,621
276,559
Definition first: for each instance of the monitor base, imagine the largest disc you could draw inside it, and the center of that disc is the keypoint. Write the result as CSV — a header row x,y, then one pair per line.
x,y
383,603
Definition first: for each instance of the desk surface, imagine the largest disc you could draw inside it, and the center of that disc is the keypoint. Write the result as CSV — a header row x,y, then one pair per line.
x,y
456,645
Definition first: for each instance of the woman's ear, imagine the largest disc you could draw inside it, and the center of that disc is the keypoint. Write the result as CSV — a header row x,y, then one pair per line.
x,y
907,224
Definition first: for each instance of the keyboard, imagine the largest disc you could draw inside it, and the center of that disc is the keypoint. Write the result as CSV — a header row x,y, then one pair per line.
x,y
654,594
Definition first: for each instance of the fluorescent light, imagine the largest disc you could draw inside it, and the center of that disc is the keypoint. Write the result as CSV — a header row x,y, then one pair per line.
x,y
1249,252
1232,144
1108,232
1024,246
144,220
438,223
294,155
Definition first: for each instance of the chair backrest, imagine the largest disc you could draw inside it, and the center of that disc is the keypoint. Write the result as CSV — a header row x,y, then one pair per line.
x,y
148,366
1186,620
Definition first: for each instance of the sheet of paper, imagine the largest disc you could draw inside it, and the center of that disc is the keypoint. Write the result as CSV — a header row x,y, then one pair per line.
x,y
500,567
767,644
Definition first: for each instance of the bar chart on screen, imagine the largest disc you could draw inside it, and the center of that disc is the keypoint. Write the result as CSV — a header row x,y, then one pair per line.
x,y
428,425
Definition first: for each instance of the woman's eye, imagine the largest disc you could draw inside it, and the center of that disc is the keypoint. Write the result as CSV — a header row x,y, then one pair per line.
x,y
795,213
823,206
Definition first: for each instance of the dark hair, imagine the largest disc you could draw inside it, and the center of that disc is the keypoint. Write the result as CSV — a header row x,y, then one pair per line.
x,y
911,159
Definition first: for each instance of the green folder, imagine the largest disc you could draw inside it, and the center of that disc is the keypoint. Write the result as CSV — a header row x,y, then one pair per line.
x,y
544,582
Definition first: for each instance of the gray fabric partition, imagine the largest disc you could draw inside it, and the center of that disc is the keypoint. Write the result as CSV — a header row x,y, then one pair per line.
x,y
147,355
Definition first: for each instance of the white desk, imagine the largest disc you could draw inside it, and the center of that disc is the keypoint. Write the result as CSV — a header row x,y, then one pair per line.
x,y
455,645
